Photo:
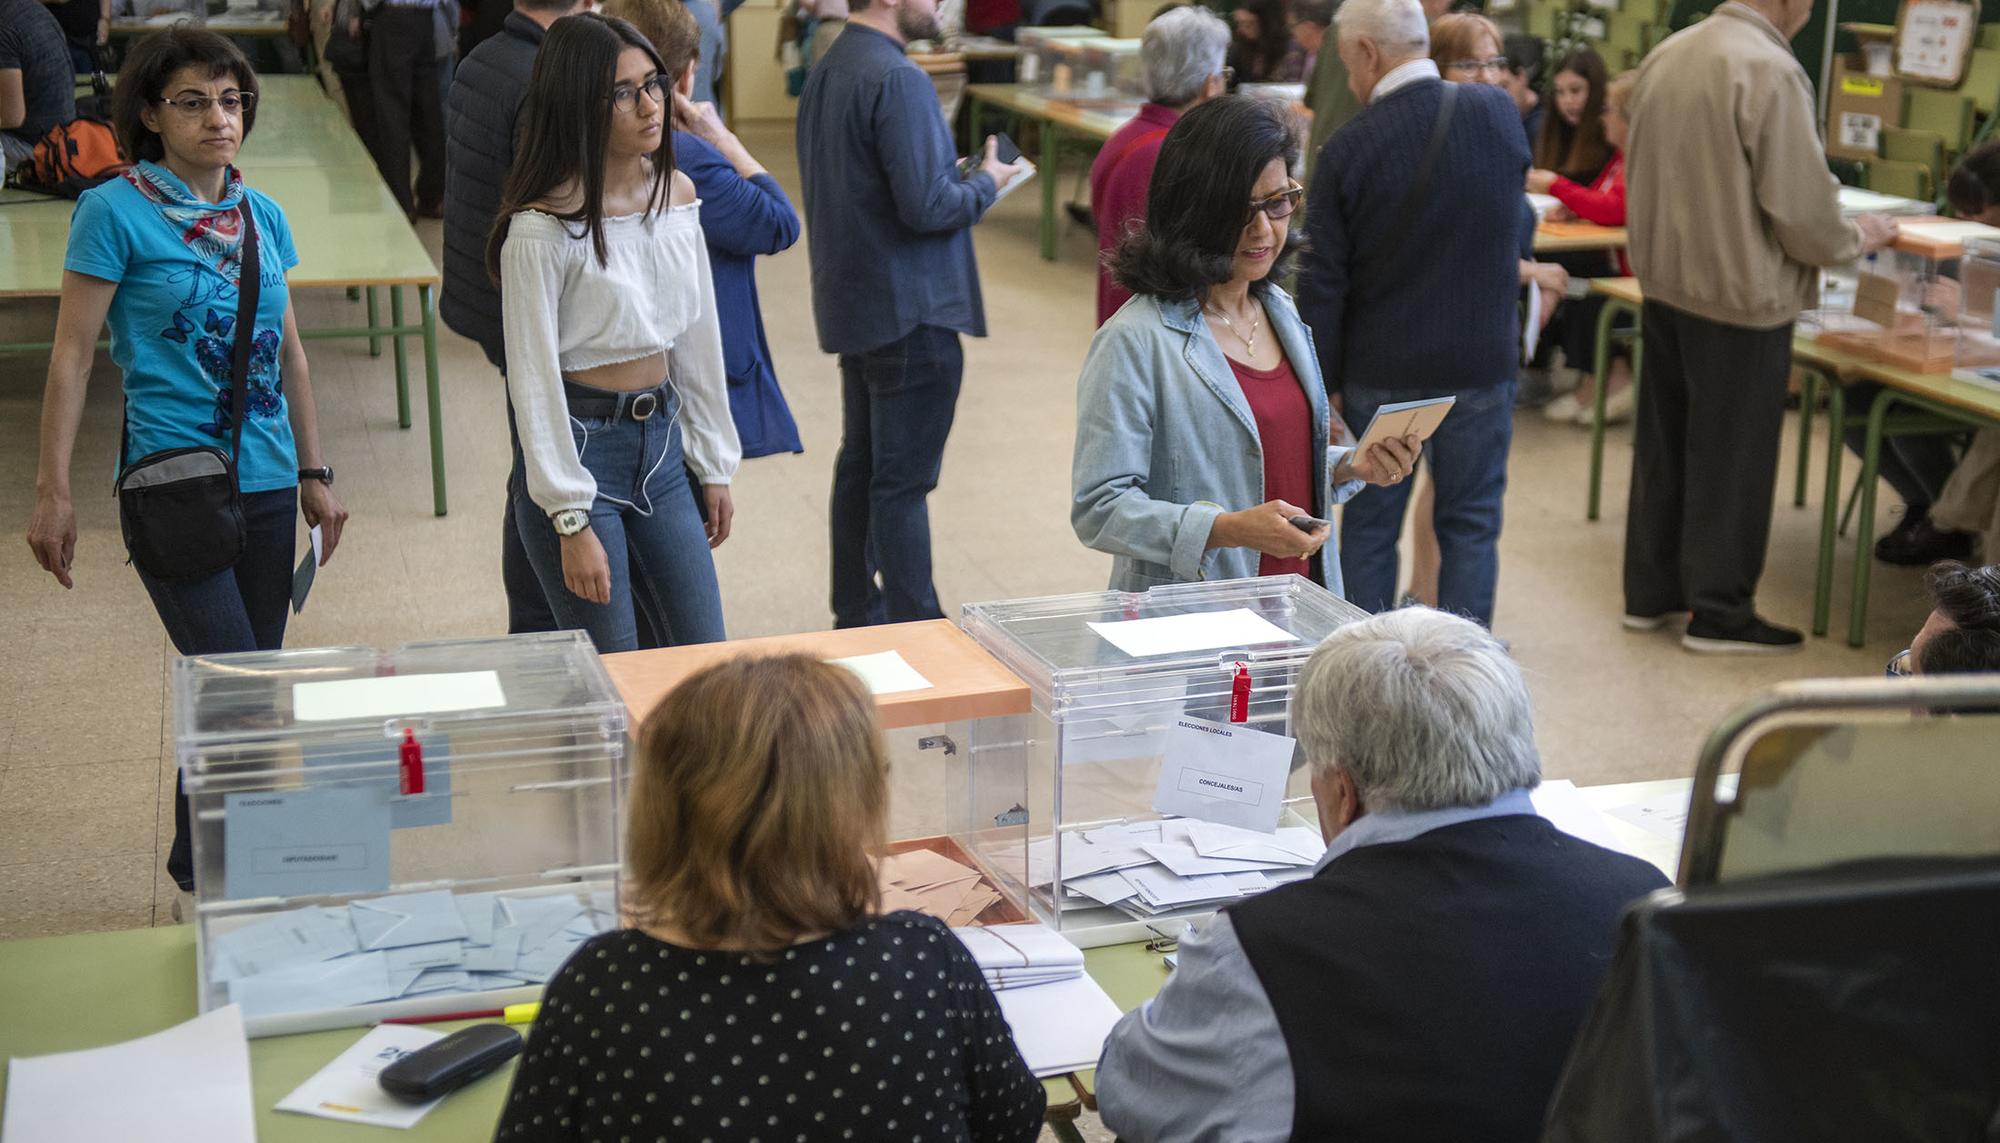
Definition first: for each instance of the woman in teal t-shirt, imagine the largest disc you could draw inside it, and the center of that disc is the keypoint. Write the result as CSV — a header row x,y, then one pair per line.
x,y
156,255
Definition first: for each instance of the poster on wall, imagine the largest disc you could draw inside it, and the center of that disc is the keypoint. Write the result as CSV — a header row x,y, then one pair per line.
x,y
1934,40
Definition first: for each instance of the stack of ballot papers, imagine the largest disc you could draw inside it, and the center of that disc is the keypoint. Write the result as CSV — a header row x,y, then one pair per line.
x,y
1019,956
1058,1014
187,1084
933,884
398,947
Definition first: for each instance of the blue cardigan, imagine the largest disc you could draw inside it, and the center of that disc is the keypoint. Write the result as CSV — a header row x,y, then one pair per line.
x,y
741,219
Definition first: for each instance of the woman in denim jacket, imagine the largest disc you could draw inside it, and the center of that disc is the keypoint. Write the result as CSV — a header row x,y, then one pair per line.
x,y
1203,428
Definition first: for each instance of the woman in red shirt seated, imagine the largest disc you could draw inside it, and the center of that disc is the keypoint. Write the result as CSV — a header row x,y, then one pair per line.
x,y
1601,202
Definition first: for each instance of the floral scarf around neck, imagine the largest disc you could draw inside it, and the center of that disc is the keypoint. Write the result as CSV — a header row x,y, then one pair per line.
x,y
212,230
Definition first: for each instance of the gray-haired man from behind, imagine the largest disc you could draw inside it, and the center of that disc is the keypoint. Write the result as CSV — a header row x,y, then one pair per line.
x,y
1426,981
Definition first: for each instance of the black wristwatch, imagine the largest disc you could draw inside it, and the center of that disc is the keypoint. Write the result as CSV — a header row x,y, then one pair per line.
x,y
323,474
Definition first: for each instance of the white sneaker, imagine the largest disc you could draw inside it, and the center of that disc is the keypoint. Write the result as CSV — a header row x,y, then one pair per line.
x,y
1652,622
1564,408
1619,405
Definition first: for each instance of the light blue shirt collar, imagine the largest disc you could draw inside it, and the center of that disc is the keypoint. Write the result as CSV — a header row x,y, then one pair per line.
x,y
1403,75
1379,827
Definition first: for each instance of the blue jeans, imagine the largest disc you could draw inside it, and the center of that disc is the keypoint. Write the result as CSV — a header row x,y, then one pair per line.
x,y
243,608
646,518
897,404
1468,463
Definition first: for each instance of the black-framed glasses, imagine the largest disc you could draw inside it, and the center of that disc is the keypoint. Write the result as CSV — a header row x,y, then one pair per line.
x,y
1899,667
1277,206
195,106
1494,66
625,97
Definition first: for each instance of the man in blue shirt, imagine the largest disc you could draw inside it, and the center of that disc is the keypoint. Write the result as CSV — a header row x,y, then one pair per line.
x,y
36,86
894,285
1427,981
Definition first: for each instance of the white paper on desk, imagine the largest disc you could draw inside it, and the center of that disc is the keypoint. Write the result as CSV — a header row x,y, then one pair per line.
x,y
188,1084
1224,773
1570,812
1542,204
348,1088
884,673
1200,631
1059,1027
1019,946
1665,815
387,696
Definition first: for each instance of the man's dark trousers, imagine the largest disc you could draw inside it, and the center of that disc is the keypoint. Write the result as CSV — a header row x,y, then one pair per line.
x,y
402,73
1704,465
897,404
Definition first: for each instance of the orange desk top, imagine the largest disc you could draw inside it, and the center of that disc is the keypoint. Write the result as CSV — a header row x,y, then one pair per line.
x,y
1558,237
966,682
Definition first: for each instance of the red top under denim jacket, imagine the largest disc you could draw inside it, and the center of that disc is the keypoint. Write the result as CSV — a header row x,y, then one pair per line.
x,y
1284,429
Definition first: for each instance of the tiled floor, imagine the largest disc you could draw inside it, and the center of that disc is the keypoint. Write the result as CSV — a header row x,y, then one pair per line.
x,y
85,742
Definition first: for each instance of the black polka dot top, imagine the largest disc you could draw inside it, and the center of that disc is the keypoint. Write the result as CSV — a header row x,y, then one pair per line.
x,y
884,1031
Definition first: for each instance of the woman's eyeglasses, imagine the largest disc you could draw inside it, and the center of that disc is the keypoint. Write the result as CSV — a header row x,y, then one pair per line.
x,y
1277,206
1495,66
625,97
1899,667
195,106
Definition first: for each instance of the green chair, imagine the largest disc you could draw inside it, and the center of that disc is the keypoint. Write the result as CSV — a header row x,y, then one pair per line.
x,y
1948,113
1926,148
1982,80
1905,180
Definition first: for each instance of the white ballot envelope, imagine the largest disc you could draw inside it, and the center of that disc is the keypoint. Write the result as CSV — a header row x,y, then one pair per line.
x,y
407,919
1221,772
1405,419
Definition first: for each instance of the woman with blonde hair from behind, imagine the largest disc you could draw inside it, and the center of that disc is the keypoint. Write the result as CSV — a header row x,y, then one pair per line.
x,y
761,993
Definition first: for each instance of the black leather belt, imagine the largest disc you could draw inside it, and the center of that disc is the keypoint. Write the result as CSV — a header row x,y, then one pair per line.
x,y
638,405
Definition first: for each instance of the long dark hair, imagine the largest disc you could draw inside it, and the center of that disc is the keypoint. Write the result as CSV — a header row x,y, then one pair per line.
x,y
1255,62
151,64
568,122
1199,195
1975,182
1581,151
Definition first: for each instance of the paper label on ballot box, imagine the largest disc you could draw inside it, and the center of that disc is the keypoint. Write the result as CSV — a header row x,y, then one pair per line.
x,y
300,843
1228,774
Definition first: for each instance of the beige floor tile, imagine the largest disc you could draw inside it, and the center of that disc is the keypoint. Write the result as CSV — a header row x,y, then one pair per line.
x,y
100,894
77,812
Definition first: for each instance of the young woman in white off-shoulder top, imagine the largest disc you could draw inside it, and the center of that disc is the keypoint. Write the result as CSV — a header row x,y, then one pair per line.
x,y
614,355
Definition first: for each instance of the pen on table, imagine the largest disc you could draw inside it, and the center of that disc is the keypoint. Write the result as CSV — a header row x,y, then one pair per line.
x,y
512,1014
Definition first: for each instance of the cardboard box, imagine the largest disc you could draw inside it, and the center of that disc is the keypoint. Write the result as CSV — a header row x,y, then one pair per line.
x,y
1858,106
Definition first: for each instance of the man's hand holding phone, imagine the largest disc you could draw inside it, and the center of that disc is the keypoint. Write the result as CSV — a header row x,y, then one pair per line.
x,y
1004,164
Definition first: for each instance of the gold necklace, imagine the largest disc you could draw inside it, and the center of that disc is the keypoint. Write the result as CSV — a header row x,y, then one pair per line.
x,y
1249,343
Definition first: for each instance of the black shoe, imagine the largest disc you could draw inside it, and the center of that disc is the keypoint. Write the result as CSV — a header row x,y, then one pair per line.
x,y
1706,637
1916,542
1081,215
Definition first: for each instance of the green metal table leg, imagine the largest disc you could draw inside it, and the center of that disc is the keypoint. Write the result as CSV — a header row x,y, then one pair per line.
x,y
1829,521
434,399
971,124
1603,369
1808,397
1864,536
374,343
1051,157
402,365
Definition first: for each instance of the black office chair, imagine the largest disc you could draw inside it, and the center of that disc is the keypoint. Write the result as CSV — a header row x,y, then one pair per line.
x,y
1857,1003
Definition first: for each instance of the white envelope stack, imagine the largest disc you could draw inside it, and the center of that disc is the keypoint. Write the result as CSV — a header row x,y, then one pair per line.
x,y
1174,866
1059,1015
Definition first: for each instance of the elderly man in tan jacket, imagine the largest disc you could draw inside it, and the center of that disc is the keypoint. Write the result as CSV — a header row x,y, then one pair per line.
x,y
1731,213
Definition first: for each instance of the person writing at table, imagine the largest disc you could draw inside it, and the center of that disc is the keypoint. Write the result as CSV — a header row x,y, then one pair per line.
x,y
760,992
158,254
613,346
1203,427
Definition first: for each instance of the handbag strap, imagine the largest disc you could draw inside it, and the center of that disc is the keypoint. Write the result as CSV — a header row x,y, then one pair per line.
x,y
1413,201
247,284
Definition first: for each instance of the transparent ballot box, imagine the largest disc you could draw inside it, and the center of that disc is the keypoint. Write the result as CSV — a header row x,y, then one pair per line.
x,y
1900,306
1978,351
1159,778
1111,70
1049,57
427,829
937,694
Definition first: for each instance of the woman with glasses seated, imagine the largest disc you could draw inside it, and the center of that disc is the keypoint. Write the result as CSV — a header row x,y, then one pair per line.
x,y
159,255
614,350
1205,445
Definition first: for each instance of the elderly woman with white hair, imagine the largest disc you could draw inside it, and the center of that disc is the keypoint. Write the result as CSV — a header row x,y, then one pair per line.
x,y
1181,52
1427,980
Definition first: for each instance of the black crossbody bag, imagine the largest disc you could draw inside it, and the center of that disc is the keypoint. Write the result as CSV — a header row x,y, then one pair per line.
x,y
181,509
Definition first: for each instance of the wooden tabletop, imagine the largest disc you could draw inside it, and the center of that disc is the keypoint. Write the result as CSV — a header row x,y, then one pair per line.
x,y
1965,396
1621,289
966,682
1564,237
1095,119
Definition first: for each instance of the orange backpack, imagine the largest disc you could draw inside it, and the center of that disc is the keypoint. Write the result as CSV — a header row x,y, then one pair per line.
x,y
72,158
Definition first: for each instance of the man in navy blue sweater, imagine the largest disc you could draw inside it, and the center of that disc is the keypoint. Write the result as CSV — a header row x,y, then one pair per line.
x,y
1414,295
893,285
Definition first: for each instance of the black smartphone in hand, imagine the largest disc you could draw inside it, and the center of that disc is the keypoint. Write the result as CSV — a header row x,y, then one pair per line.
x,y
1004,150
